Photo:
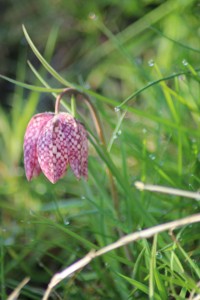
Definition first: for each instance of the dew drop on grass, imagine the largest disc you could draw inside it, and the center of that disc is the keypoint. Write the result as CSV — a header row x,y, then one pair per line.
x,y
117,109
191,187
31,212
107,265
151,63
92,16
144,131
82,197
9,241
184,62
159,255
152,156
138,61
119,132
40,264
66,222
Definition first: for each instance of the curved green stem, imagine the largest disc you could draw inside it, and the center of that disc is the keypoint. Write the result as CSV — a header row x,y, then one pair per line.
x,y
99,129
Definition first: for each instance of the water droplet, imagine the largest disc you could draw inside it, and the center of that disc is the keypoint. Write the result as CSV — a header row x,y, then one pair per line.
x,y
115,137
117,109
151,63
9,241
66,222
107,265
190,186
40,264
161,163
181,77
194,260
159,255
92,16
138,61
119,132
144,130
82,197
31,212
137,294
152,156
184,62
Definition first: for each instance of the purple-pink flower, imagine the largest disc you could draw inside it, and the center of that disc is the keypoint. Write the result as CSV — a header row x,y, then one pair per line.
x,y
52,142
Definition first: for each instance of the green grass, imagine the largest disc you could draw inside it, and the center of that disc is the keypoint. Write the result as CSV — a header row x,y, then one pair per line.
x,y
147,98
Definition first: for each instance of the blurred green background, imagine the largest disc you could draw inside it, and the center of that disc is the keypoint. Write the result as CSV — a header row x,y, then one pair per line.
x,y
112,48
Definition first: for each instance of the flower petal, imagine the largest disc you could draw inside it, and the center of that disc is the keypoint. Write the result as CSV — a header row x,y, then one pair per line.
x,y
32,167
51,148
84,152
78,150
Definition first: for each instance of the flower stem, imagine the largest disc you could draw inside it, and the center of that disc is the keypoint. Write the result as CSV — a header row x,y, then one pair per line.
x,y
73,92
73,106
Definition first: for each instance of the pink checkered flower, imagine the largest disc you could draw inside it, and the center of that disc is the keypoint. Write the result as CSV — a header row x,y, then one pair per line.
x,y
52,142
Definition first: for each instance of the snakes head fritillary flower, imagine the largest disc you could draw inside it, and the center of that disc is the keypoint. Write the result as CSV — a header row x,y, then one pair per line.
x,y
52,142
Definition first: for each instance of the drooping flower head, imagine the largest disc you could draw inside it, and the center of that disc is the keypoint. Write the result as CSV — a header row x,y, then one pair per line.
x,y
52,142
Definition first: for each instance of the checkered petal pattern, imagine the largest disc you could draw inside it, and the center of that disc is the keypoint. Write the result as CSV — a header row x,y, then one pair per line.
x,y
52,142
32,167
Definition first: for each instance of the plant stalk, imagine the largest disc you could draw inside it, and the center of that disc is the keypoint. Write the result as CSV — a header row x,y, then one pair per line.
x,y
99,129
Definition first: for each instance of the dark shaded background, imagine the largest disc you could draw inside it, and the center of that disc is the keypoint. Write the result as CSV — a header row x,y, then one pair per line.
x,y
76,36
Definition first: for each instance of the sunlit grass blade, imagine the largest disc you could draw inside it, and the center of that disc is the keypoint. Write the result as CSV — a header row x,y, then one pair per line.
x,y
2,272
31,87
44,62
47,85
113,137
140,286
152,268
106,100
167,95
19,91
51,42
174,41
47,222
134,29
155,82
194,266
160,285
